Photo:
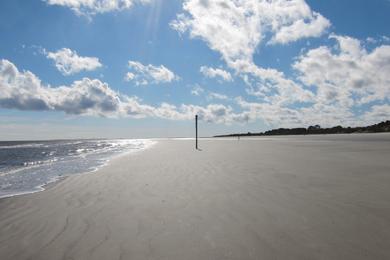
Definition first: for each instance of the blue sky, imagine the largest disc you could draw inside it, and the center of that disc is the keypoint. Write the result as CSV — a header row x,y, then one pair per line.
x,y
144,68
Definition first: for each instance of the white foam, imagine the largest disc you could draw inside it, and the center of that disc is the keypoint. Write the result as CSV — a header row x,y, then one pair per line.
x,y
114,148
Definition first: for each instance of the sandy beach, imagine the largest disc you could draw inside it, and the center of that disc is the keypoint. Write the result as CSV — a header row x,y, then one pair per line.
x,y
306,197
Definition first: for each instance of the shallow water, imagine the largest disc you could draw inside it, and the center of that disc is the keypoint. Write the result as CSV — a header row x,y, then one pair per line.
x,y
26,166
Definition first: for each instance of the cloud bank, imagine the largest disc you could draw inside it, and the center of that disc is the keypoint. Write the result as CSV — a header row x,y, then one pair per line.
x,y
345,84
25,91
348,76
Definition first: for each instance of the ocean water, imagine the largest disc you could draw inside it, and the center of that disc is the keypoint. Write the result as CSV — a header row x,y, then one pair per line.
x,y
27,166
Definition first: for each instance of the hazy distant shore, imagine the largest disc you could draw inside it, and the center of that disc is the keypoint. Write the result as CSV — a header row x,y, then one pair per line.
x,y
317,197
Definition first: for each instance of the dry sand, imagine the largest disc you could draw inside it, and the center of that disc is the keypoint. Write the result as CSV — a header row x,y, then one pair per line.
x,y
308,197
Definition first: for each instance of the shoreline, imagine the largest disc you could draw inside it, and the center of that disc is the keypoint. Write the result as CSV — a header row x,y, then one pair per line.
x,y
56,180
41,188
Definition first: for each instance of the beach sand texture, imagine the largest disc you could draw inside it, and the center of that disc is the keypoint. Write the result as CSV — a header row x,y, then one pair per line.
x,y
307,197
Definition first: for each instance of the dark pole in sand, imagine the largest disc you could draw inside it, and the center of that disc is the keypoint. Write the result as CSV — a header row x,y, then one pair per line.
x,y
196,132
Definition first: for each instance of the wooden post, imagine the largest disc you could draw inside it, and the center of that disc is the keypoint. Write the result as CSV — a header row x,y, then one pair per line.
x,y
196,132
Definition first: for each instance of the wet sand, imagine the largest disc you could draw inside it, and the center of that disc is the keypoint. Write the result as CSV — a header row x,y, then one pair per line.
x,y
306,197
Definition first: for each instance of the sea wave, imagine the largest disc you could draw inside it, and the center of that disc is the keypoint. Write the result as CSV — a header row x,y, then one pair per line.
x,y
28,167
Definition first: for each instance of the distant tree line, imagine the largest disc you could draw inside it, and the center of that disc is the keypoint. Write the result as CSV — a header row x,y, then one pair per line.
x,y
316,129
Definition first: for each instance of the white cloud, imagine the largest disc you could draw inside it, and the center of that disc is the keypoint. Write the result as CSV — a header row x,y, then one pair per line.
x,y
272,86
273,115
236,28
216,73
197,90
385,38
377,113
276,115
213,95
149,74
301,28
92,7
349,76
371,40
69,62
129,76
24,91
213,113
